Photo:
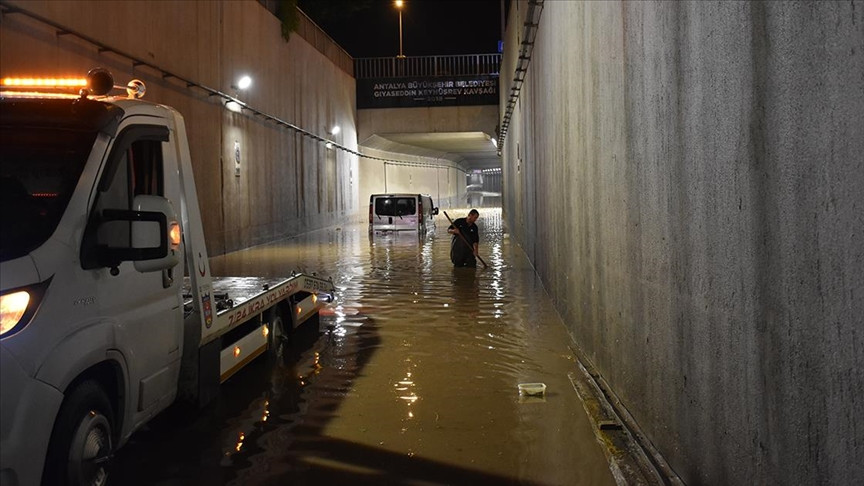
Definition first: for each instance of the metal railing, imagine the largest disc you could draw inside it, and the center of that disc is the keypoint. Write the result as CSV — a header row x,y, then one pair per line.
x,y
427,66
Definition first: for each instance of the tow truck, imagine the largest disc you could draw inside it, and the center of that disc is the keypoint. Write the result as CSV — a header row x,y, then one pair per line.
x,y
109,310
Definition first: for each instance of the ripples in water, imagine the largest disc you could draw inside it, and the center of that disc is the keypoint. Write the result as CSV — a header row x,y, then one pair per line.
x,y
410,378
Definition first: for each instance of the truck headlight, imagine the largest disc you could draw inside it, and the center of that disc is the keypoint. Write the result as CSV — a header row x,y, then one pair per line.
x,y
12,309
17,307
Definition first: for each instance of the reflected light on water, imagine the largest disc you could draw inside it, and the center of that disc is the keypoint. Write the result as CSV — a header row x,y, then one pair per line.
x,y
407,329
405,389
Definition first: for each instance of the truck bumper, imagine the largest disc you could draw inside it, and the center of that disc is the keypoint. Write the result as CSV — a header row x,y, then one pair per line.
x,y
27,411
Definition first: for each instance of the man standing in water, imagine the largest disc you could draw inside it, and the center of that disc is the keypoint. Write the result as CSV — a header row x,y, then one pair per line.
x,y
460,253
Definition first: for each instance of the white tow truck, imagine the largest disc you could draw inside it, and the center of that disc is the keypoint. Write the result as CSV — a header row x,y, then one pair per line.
x,y
109,309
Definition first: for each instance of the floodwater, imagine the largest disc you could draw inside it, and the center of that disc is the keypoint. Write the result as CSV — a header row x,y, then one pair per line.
x,y
409,378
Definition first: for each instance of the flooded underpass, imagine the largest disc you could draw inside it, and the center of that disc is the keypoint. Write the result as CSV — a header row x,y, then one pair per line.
x,y
410,377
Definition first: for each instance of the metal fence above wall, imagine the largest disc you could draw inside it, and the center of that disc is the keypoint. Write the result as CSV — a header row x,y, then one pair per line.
x,y
427,66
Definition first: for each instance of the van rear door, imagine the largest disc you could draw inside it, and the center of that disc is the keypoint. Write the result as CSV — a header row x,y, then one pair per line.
x,y
394,213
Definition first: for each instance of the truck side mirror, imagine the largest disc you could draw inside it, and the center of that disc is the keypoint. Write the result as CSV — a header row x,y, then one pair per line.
x,y
148,235
435,211
143,235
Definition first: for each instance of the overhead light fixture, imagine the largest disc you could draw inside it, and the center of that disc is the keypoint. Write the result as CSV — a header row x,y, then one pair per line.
x,y
328,146
335,130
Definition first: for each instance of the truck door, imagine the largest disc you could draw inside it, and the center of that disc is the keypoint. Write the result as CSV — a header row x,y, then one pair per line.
x,y
145,307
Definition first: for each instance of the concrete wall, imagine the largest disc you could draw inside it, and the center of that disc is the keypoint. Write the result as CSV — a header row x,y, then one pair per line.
x,y
441,179
447,186
288,184
697,170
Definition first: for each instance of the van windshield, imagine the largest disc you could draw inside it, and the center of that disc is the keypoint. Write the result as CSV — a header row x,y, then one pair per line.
x,y
395,206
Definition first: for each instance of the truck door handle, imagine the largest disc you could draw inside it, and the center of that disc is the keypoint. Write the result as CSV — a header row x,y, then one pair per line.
x,y
167,278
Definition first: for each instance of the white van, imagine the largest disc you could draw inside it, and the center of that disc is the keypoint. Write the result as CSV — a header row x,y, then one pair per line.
x,y
397,212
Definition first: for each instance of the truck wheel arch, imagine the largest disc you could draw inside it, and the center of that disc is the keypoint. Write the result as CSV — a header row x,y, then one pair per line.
x,y
107,367
58,371
109,375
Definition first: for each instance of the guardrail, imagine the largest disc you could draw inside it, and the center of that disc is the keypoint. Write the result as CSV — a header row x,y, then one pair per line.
x,y
427,66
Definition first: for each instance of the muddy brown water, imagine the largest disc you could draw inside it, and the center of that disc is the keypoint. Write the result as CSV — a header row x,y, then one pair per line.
x,y
410,377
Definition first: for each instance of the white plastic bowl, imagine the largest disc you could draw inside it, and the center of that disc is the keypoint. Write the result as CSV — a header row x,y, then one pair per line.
x,y
532,389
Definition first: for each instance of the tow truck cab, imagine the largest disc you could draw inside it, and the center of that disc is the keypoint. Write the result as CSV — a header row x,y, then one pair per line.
x,y
100,222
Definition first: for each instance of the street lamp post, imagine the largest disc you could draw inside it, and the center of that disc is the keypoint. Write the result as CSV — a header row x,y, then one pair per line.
x,y
399,4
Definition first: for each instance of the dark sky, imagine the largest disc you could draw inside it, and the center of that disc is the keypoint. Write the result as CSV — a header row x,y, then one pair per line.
x,y
370,28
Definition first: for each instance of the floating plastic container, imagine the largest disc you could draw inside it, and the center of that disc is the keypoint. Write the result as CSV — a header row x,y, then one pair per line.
x,y
532,389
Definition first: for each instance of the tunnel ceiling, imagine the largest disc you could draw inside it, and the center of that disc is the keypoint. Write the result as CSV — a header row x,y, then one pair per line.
x,y
471,150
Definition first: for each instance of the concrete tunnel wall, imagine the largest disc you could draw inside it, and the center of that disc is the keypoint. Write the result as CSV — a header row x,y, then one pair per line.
x,y
288,184
443,180
687,179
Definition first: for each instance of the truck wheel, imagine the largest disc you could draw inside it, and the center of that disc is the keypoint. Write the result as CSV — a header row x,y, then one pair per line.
x,y
277,339
81,443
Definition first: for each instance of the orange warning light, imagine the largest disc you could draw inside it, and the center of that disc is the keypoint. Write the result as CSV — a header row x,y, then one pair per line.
x,y
174,234
45,82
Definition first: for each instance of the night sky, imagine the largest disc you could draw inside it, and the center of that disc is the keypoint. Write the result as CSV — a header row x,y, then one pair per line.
x,y
370,28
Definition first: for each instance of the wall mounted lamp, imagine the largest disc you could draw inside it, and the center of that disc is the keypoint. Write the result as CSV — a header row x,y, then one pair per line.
x,y
233,106
243,83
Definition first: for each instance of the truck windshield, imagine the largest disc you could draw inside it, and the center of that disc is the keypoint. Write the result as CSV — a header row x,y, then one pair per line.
x,y
395,206
39,168
44,144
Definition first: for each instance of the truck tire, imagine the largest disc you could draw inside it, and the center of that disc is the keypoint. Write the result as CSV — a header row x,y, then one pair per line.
x,y
82,440
277,339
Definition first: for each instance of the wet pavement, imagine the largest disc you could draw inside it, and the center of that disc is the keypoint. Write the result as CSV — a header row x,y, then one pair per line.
x,y
409,378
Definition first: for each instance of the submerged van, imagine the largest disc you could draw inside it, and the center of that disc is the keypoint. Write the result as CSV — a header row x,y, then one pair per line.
x,y
397,212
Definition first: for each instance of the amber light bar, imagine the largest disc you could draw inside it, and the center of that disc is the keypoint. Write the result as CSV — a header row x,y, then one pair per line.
x,y
45,82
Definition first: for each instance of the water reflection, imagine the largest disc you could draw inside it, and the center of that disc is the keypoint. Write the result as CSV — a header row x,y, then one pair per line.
x,y
410,378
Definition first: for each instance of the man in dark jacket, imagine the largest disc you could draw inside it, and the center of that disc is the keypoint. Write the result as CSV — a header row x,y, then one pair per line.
x,y
461,254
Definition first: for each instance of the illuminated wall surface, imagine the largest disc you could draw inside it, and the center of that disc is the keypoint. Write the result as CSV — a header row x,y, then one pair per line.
x,y
701,221
287,183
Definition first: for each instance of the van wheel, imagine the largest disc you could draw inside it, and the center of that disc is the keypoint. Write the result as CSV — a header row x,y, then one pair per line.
x,y
277,339
82,441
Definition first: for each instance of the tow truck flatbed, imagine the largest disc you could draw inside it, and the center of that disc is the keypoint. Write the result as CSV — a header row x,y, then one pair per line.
x,y
236,298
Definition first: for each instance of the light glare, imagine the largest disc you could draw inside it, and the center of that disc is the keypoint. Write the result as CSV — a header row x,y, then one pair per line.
x,y
233,106
174,234
12,309
45,82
